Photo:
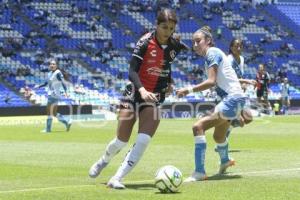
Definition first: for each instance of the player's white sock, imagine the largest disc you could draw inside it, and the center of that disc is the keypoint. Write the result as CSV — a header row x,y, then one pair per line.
x,y
133,156
112,149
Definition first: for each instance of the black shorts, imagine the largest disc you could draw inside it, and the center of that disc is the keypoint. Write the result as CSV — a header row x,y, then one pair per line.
x,y
132,99
262,93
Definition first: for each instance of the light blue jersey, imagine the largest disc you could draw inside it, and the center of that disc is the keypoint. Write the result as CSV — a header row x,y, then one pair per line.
x,y
238,67
285,90
228,85
227,81
55,84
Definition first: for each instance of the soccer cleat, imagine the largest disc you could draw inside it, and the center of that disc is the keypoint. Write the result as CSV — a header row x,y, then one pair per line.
x,y
96,168
45,131
196,176
115,184
68,126
223,167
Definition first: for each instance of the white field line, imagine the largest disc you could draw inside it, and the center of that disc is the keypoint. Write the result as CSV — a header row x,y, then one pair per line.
x,y
271,171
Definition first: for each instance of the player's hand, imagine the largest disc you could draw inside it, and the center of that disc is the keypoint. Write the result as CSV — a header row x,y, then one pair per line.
x,y
182,92
252,82
147,96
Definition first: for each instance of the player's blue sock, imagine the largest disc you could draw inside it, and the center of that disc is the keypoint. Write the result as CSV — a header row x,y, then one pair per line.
x,y
283,109
61,118
200,149
223,151
49,123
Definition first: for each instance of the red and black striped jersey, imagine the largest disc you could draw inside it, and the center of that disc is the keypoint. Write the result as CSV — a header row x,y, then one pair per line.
x,y
154,70
263,80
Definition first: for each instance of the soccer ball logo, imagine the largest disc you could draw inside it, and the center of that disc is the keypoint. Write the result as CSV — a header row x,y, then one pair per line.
x,y
168,179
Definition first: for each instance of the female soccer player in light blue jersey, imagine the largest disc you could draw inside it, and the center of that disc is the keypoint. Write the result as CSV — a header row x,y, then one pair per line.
x,y
220,74
237,62
54,83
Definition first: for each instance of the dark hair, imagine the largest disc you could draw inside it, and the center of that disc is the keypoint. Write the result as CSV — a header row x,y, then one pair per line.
x,y
166,15
65,74
232,43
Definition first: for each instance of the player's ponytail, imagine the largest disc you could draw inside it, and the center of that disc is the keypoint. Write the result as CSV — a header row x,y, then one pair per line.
x,y
66,74
206,30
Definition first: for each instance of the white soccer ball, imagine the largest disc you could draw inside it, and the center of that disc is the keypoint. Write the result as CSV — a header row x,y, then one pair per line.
x,y
168,179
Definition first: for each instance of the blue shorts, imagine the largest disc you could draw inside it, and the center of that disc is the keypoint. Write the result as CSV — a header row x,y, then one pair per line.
x,y
52,101
230,107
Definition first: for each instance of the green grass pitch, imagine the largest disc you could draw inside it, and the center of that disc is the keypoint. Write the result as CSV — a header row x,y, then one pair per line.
x,y
55,166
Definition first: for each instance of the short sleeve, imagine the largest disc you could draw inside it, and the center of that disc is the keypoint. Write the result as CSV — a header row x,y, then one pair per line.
x,y
140,48
59,76
213,58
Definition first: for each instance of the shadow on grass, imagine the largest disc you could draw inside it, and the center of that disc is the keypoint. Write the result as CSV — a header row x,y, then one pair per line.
x,y
140,186
224,177
167,193
137,186
238,151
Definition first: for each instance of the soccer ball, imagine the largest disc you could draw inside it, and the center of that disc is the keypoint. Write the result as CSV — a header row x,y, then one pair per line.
x,y
168,179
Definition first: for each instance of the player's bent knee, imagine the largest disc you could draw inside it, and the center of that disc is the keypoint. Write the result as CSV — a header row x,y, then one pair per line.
x,y
197,129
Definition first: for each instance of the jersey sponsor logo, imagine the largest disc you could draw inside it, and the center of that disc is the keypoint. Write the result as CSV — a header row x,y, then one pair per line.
x,y
153,53
155,71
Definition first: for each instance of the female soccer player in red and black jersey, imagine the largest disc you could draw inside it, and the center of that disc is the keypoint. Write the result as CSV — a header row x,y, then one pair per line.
x,y
150,76
263,80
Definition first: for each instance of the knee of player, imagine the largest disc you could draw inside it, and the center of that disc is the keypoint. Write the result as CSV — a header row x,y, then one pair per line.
x,y
197,129
247,116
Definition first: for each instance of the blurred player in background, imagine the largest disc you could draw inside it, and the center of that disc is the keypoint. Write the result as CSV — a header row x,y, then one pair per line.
x,y
150,76
55,82
285,95
220,74
262,87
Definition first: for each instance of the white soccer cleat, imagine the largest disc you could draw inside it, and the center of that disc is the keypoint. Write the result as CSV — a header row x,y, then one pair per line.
x,y
96,168
45,131
196,176
223,167
115,184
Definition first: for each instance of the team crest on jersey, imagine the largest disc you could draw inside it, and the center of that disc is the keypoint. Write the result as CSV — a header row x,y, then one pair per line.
x,y
172,54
